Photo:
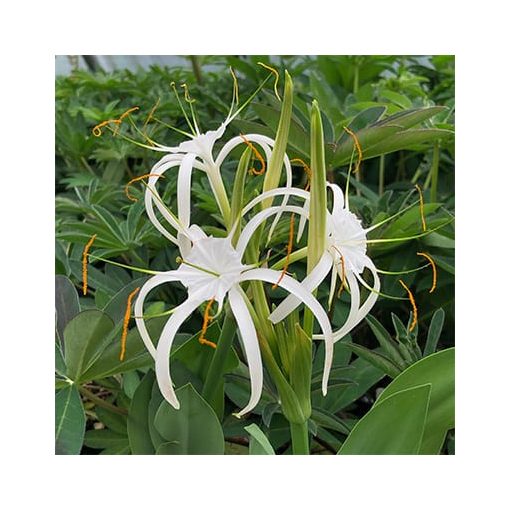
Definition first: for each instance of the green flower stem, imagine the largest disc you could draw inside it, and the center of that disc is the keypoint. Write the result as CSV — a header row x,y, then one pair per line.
x,y
381,175
100,402
299,436
216,368
434,173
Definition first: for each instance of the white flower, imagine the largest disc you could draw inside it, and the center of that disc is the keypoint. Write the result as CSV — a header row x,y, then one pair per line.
x,y
212,268
345,257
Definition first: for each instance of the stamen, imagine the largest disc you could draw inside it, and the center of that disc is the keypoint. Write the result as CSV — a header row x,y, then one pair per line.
x,y
190,101
205,325
182,108
307,170
180,260
422,212
289,250
257,154
434,270
358,147
236,86
342,261
97,131
126,113
85,261
139,178
413,304
277,77
125,324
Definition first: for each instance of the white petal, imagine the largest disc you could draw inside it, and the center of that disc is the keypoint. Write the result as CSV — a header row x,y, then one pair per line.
x,y
184,190
310,283
372,298
273,193
258,219
288,173
150,284
294,287
338,198
248,336
263,141
181,313
350,322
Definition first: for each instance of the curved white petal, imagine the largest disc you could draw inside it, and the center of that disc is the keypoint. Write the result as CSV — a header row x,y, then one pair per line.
x,y
250,341
184,189
310,283
169,276
181,313
288,173
258,219
274,193
372,298
264,141
294,287
338,198
332,286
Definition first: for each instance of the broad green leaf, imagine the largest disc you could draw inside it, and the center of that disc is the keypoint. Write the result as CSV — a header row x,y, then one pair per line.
x,y
435,328
437,370
67,305
393,427
69,421
376,359
84,336
194,429
363,120
104,438
112,421
259,443
116,307
329,421
138,417
410,118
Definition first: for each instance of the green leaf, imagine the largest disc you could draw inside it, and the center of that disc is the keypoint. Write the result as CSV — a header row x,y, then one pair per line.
x,y
385,341
116,306
330,421
377,360
104,438
138,417
69,421
393,427
194,429
437,370
410,118
67,305
84,337
259,443
435,328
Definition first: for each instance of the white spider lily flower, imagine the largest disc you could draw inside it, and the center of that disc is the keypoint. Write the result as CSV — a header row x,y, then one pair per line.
x,y
345,256
212,269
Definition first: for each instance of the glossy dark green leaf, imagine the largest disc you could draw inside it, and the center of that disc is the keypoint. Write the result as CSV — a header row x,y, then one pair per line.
x,y
138,417
259,443
67,305
69,421
438,370
393,427
84,337
194,429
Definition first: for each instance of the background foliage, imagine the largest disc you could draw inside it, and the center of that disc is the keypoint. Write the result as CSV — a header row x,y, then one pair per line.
x,y
403,111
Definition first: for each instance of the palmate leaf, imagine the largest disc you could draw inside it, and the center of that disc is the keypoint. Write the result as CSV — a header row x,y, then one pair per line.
x,y
69,421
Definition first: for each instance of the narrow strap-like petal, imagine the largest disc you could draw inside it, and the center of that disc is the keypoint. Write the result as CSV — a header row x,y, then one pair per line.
x,y
258,219
274,193
338,198
184,189
264,141
294,287
181,313
251,347
310,283
150,284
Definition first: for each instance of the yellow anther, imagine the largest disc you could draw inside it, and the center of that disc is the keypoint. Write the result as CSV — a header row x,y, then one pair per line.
x,y
434,270
205,325
97,129
257,154
85,261
151,113
126,113
307,170
289,251
136,179
357,145
422,211
413,304
236,85
125,324
187,97
277,77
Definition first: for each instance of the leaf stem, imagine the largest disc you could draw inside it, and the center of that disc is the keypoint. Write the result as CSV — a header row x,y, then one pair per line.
x,y
101,403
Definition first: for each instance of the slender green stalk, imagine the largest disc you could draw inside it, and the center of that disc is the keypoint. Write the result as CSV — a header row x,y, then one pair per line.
x,y
197,71
381,175
216,368
299,436
434,173
100,402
